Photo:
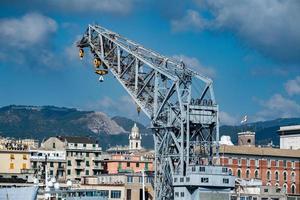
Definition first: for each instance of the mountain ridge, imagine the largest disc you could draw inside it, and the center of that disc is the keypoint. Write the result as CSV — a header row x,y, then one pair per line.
x,y
40,122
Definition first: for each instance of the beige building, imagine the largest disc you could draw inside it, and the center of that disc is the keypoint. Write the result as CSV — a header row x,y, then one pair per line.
x,y
14,161
83,155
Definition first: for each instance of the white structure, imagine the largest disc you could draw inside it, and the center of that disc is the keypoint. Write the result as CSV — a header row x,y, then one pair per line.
x,y
135,138
289,137
226,140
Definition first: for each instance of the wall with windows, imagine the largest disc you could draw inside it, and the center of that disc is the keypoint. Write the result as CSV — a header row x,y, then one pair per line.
x,y
14,161
282,172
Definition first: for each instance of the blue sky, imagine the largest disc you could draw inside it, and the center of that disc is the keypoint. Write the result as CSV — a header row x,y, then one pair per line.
x,y
251,49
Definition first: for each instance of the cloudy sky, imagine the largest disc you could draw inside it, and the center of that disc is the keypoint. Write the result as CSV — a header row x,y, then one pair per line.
x,y
251,49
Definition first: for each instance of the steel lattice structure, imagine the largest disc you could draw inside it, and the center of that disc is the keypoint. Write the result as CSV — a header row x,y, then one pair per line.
x,y
184,118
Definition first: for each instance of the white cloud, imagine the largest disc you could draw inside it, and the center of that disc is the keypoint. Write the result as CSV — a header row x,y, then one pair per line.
x,y
278,107
191,21
31,29
271,26
227,119
292,87
194,63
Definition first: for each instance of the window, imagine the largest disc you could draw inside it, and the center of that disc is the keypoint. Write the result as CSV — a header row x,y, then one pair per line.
x,y
24,157
103,193
24,166
276,176
293,177
284,163
248,162
69,172
11,166
181,179
269,175
51,172
230,161
137,164
53,145
128,164
284,176
75,144
51,164
285,187
239,161
266,190
193,169
128,194
84,145
69,163
175,180
12,156
293,164
204,180
187,179
78,163
256,174
115,194
87,154
256,162
202,169
87,163
182,194
225,180
87,172
276,163
230,171
248,173
129,179
94,145
224,169
176,194
293,189
77,172
269,163
239,173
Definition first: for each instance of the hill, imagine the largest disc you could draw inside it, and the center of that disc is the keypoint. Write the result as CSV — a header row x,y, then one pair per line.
x,y
40,122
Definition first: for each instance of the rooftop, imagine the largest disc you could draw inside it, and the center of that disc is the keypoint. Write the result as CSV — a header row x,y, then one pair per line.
x,y
262,151
289,128
77,139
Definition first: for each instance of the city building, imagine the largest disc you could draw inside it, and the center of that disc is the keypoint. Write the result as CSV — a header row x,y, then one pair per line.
x,y
289,137
127,186
55,161
130,163
246,138
273,166
83,155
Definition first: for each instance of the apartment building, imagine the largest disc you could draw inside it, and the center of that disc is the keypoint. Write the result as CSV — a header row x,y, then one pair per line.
x,y
14,156
53,160
132,163
83,155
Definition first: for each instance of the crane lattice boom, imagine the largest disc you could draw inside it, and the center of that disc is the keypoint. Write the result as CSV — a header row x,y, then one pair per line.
x,y
179,101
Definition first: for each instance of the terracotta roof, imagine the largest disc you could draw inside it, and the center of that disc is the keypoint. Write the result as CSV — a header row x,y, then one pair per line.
x,y
251,150
76,139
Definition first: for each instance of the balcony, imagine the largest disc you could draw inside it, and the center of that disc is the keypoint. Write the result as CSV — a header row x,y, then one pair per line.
x,y
79,157
97,167
61,168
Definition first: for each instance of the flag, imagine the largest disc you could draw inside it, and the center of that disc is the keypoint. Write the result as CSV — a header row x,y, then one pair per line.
x,y
244,120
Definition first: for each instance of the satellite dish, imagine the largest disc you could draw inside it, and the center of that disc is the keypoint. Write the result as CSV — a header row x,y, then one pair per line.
x,y
50,184
56,186
53,179
69,183
35,181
